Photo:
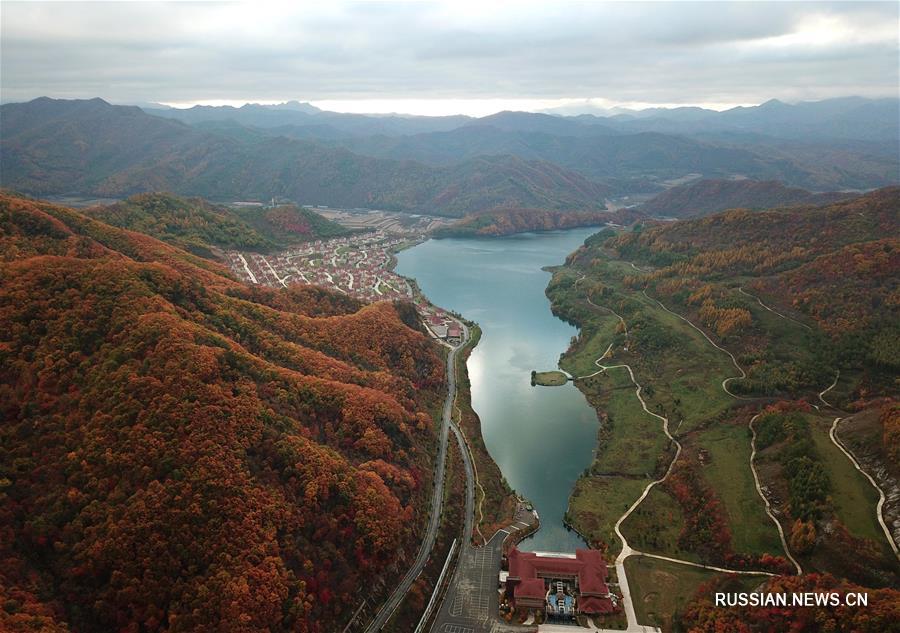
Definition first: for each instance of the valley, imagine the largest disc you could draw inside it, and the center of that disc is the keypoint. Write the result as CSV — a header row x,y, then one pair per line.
x,y
448,376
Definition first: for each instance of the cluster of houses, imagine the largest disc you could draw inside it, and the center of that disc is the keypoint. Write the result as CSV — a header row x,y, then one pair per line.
x,y
358,265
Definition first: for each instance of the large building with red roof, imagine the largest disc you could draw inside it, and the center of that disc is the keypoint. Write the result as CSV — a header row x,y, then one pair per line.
x,y
529,584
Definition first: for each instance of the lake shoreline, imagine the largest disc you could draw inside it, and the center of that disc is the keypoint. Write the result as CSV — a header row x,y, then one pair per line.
x,y
540,439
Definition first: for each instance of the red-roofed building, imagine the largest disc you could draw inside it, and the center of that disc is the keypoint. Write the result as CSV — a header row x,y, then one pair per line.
x,y
529,573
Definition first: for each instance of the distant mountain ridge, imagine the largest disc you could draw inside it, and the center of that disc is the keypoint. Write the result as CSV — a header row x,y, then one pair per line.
x,y
705,197
90,147
839,118
630,151
444,165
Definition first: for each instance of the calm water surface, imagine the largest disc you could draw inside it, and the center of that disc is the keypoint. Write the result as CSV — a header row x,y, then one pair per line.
x,y
541,437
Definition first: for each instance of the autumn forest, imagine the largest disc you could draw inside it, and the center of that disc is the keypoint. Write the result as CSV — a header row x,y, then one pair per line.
x,y
180,452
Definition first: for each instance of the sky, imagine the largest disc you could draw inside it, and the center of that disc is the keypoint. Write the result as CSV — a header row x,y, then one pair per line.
x,y
450,57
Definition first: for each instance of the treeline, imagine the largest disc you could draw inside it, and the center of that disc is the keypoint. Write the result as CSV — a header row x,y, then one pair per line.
x,y
880,614
181,452
198,226
705,530
806,477
507,221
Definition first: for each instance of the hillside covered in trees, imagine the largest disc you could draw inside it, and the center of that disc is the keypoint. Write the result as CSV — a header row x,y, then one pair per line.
x,y
881,613
499,222
182,452
705,197
196,225
765,342
832,268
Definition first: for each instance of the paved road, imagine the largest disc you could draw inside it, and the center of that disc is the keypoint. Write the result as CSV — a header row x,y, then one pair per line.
x,y
470,483
437,498
471,603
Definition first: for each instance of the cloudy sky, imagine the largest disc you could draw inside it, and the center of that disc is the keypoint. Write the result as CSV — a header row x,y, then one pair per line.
x,y
458,56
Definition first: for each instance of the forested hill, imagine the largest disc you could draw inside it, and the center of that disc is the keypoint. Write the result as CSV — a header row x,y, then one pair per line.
x,y
835,266
197,225
182,452
711,196
507,221
91,147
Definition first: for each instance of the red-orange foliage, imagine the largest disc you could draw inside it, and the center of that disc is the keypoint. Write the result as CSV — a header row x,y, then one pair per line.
x,y
850,289
724,320
289,219
890,427
506,221
882,613
181,452
706,530
837,263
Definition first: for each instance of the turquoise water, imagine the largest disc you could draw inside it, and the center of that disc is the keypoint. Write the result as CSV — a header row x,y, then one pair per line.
x,y
541,437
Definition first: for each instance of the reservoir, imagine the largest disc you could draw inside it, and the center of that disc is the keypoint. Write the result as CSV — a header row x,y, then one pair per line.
x,y
542,438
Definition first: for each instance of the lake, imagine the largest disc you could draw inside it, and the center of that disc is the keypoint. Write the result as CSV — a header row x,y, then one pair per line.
x,y
542,438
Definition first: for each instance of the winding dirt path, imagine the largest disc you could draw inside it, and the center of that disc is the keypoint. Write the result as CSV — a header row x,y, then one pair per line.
x,y
627,550
759,491
772,310
832,433
734,362
829,388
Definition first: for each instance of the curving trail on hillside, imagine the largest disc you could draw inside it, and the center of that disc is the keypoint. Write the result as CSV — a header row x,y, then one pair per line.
x,y
829,388
832,433
765,499
627,550
734,362
772,310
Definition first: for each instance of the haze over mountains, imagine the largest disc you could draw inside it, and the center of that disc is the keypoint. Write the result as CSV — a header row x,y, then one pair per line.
x,y
452,165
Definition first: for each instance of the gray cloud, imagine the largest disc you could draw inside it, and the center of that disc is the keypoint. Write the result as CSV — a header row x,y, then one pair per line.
x,y
676,52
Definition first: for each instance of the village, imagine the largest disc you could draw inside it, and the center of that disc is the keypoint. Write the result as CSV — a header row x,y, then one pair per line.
x,y
359,265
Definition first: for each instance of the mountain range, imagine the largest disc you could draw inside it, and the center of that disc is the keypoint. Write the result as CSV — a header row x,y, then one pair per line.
x,y
832,144
91,147
444,165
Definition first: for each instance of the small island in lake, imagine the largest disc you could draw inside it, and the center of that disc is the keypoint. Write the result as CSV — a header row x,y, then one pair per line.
x,y
548,378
